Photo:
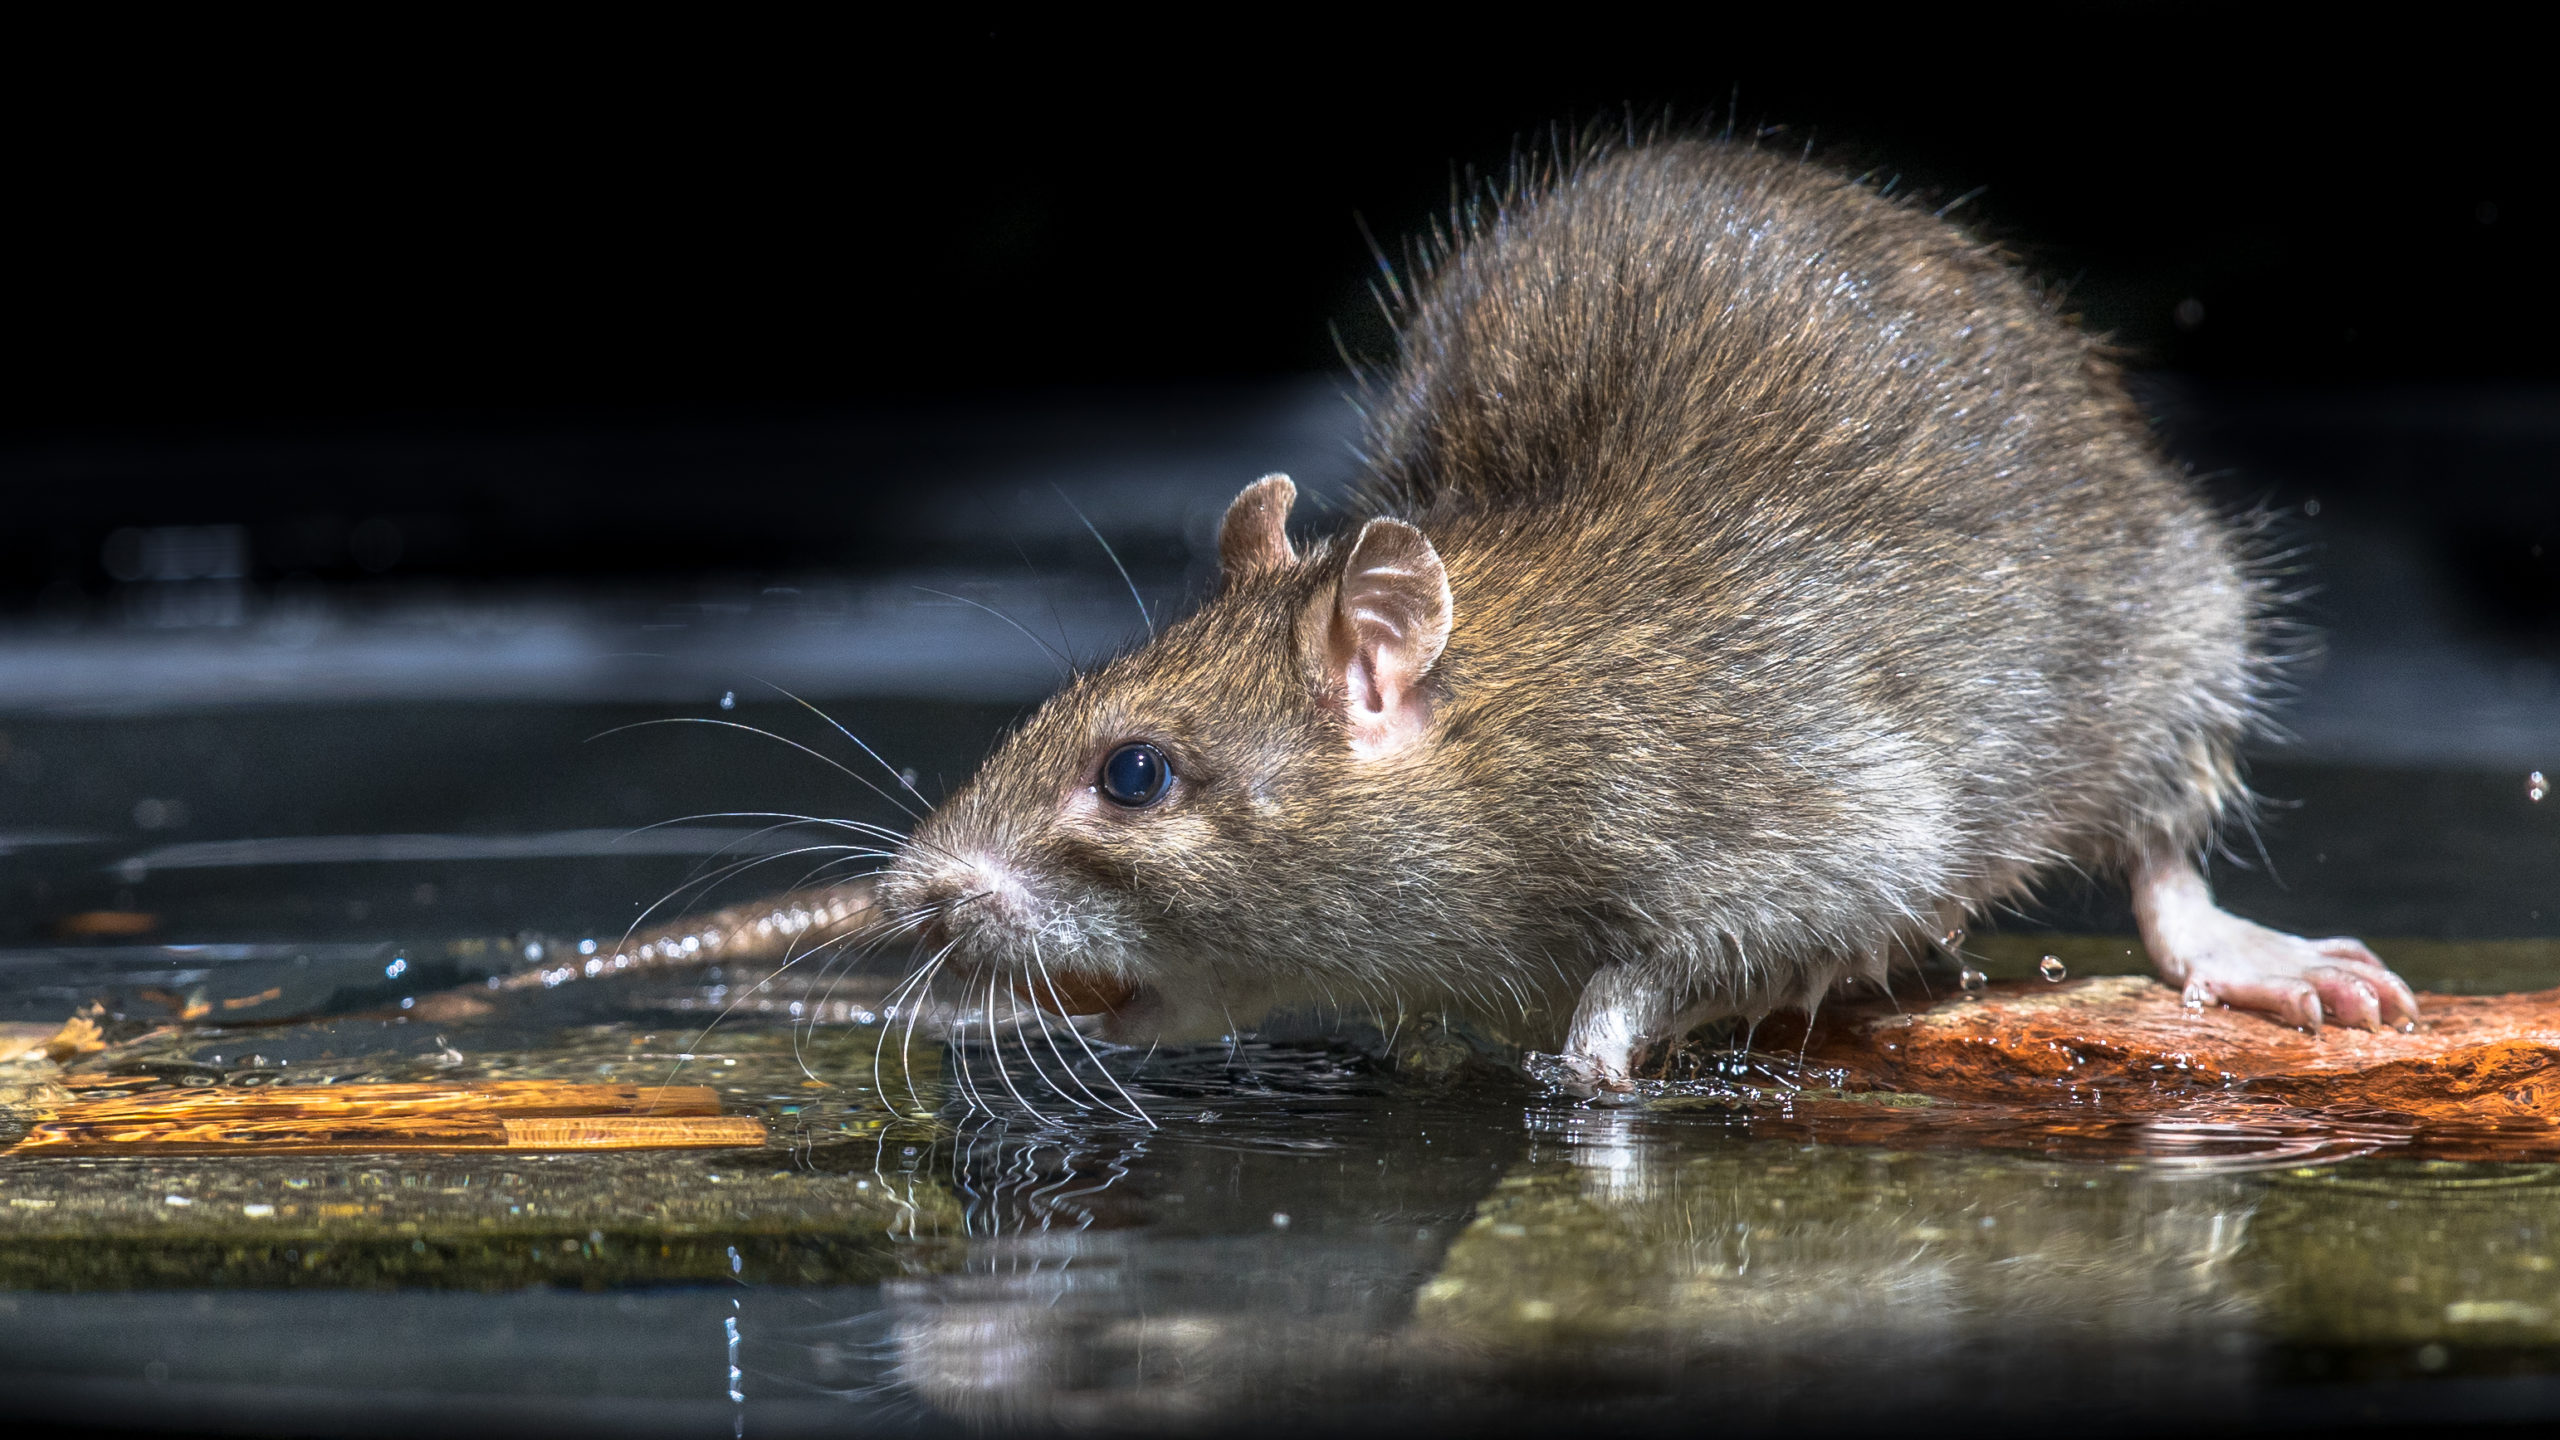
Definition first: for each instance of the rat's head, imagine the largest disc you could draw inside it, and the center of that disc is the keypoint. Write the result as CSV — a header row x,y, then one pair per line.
x,y
1178,809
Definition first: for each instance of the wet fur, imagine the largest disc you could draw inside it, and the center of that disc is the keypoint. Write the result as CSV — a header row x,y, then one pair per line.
x,y
1814,584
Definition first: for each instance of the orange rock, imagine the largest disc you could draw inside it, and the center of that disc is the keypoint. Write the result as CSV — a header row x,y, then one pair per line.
x,y
2128,1043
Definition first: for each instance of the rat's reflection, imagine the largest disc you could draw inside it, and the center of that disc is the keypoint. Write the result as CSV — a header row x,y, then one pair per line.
x,y
1223,1269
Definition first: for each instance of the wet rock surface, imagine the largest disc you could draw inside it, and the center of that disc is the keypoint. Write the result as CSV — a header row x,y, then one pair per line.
x,y
2479,1077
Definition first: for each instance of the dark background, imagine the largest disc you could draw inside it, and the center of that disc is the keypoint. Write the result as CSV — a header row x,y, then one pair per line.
x,y
233,232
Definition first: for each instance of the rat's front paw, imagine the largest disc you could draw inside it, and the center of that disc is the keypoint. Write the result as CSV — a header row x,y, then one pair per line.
x,y
1580,1076
2301,982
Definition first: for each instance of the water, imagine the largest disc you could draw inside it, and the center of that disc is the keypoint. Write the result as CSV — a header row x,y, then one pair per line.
x,y
1302,1231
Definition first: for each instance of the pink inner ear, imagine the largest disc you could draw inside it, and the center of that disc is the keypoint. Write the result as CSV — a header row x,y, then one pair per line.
x,y
1360,678
1391,618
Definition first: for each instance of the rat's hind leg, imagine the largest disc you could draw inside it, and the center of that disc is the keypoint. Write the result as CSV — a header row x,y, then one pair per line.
x,y
2214,955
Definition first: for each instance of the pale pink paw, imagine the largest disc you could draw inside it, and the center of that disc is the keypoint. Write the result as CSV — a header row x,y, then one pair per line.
x,y
2301,982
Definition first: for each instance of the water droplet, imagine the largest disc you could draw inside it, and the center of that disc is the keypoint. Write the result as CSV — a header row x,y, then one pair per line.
x,y
728,699
1952,938
2050,967
1972,979
2535,787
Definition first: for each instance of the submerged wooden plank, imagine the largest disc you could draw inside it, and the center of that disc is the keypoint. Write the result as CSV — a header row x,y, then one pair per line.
x,y
321,1102
354,1119
361,1136
271,1136
633,1132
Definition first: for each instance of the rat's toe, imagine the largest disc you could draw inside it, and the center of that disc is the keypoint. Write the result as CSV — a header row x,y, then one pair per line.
x,y
2395,1004
2348,998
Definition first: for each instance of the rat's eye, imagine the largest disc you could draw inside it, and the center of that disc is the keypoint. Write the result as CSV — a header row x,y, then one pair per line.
x,y
1135,775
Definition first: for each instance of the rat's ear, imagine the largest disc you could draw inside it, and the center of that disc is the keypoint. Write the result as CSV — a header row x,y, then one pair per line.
x,y
1391,617
1255,535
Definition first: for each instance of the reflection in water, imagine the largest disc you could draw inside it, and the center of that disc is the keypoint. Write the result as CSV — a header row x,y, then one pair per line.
x,y
1637,1264
1622,1258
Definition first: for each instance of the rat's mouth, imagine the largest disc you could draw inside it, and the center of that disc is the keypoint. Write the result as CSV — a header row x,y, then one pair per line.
x,y
1074,992
1057,990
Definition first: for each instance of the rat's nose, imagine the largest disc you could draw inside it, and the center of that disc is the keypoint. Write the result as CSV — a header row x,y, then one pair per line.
x,y
965,893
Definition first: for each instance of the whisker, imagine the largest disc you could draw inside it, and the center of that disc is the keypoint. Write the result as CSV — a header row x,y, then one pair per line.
x,y
762,815
995,1048
828,760
744,992
737,868
901,775
1134,597
1135,1110
852,955
1063,663
1050,1035
906,1060
958,1048
1066,646
785,819
1022,1037
898,995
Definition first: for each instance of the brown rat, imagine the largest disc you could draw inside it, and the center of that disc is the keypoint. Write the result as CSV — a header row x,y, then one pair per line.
x,y
1755,577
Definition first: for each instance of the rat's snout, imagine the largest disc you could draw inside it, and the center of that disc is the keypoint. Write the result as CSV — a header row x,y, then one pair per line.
x,y
972,901
978,909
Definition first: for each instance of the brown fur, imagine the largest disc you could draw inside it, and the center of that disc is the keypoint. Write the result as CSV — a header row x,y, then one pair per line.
x,y
1813,584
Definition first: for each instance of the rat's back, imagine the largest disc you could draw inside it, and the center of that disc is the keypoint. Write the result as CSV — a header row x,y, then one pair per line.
x,y
1815,448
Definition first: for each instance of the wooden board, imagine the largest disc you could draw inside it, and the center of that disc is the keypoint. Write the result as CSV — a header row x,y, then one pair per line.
x,y
488,1097
357,1119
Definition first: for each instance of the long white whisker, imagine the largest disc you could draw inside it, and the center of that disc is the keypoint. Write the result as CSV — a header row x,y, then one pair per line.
x,y
888,1008
1134,597
743,993
1063,663
737,867
1051,1036
906,1059
1135,1110
827,760
801,1035
995,1048
1030,1057
957,1046
897,835
901,775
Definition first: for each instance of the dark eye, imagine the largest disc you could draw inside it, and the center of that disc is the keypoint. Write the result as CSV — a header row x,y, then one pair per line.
x,y
1135,775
